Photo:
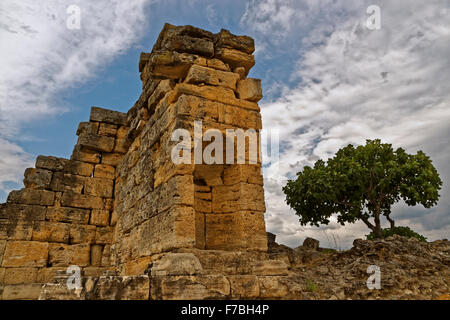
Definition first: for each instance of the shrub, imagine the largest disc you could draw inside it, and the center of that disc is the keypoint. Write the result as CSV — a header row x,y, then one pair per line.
x,y
401,231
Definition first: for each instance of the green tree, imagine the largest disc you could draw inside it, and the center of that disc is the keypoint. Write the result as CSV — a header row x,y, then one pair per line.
x,y
363,183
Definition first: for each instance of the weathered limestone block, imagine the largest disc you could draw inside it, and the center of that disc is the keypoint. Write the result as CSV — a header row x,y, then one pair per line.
x,y
177,264
202,75
46,275
190,287
249,89
25,254
30,291
174,228
46,231
112,159
108,116
88,127
104,171
100,217
31,196
161,90
217,64
85,155
67,182
121,145
82,234
103,235
20,275
68,215
15,229
270,268
244,286
64,255
99,187
168,65
247,173
96,255
234,231
252,197
243,43
311,243
64,165
203,47
106,256
272,287
120,288
143,59
109,130
219,94
241,118
59,291
37,178
185,39
2,251
96,142
22,212
236,58
70,199
178,191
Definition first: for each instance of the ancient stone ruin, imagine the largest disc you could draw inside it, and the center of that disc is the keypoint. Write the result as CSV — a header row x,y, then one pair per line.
x,y
124,213
121,220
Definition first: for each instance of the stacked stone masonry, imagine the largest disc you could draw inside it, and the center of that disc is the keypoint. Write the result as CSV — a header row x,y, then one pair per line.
x,y
121,208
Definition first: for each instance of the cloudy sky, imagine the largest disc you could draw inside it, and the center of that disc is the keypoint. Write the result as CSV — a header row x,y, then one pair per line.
x,y
328,80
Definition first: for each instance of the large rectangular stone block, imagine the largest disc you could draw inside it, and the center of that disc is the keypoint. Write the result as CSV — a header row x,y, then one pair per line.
x,y
219,94
70,199
46,231
25,254
96,142
64,255
172,229
37,178
203,75
236,58
24,212
99,187
2,250
67,182
108,116
68,215
104,171
31,196
15,229
100,217
20,275
235,231
85,155
30,291
243,43
82,234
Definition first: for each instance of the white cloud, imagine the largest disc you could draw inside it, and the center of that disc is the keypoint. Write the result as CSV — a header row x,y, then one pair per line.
x,y
40,57
356,84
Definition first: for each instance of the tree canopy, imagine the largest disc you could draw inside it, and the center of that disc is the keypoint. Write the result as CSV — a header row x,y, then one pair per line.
x,y
362,183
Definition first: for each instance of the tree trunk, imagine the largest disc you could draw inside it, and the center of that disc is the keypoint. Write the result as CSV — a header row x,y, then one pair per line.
x,y
377,230
392,222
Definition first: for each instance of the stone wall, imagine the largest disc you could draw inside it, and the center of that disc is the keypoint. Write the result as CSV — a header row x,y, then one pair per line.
x,y
120,204
63,215
191,75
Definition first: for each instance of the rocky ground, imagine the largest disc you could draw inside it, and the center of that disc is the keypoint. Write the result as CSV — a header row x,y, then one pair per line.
x,y
409,269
